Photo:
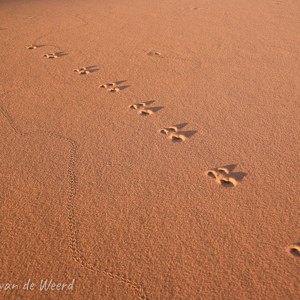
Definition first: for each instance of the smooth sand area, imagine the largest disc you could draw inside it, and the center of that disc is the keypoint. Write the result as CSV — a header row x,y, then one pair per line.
x,y
149,149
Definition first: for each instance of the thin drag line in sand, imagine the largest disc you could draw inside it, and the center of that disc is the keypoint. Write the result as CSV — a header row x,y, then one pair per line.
x,y
74,245
85,23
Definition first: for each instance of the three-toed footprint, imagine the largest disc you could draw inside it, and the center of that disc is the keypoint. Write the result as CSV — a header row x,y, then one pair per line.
x,y
225,177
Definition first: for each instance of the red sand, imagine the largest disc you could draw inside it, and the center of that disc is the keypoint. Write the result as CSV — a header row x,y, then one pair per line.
x,y
92,190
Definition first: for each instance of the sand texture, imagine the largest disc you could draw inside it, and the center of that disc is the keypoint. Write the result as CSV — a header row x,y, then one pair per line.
x,y
150,149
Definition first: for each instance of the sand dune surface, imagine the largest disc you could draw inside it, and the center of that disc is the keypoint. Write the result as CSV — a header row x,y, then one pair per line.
x,y
149,149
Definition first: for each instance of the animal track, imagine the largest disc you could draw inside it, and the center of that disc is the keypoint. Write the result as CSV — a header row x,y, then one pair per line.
x,y
114,87
51,55
221,178
175,134
154,53
54,55
167,130
30,47
114,90
82,70
110,84
143,110
137,105
86,70
140,105
177,137
294,250
75,248
225,177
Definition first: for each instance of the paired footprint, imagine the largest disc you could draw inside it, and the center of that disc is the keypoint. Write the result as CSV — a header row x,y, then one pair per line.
x,y
225,177
52,55
85,70
175,134
171,133
143,108
114,87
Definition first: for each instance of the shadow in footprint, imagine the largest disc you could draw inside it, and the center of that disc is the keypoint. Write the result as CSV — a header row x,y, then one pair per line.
x,y
118,88
181,136
175,134
34,46
150,111
294,250
87,70
212,174
176,138
54,54
172,129
225,175
140,105
228,183
154,53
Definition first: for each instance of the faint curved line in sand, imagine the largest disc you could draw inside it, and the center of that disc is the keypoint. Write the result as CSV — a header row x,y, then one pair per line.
x,y
74,242
85,23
